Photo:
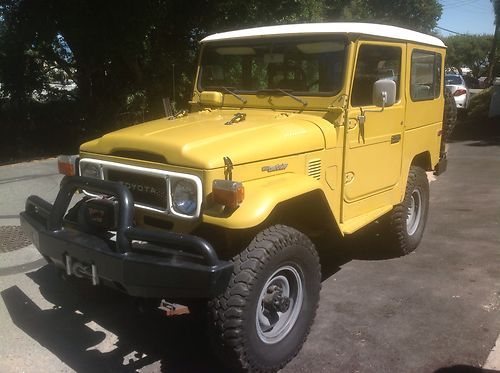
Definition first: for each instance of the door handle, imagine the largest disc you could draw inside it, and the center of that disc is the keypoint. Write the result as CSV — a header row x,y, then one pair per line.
x,y
395,138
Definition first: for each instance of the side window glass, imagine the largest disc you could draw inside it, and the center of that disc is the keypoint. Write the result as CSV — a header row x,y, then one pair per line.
x,y
437,73
374,62
425,78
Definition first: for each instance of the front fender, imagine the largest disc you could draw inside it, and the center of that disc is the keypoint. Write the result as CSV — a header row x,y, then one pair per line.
x,y
261,197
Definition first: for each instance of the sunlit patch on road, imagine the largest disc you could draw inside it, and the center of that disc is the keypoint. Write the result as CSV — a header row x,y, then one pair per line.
x,y
109,342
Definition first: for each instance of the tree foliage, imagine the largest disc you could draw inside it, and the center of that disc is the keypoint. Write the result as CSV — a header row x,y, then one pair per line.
x,y
493,56
468,50
419,15
122,48
126,55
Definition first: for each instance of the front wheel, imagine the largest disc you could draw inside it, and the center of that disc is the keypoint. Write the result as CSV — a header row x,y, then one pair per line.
x,y
407,220
266,312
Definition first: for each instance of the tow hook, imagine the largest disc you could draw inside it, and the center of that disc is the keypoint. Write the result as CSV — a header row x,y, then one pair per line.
x,y
81,270
173,309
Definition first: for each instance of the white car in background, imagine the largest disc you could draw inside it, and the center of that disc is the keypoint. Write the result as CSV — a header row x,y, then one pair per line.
x,y
456,85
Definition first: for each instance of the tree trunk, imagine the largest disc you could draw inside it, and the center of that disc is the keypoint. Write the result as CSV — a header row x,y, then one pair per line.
x,y
492,56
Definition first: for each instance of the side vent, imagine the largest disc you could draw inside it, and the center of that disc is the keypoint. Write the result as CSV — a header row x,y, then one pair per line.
x,y
314,168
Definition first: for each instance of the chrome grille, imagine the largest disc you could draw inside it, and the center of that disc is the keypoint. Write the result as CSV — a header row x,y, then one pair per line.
x,y
150,187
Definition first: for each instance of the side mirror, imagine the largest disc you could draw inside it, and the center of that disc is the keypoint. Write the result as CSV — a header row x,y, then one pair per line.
x,y
211,98
384,92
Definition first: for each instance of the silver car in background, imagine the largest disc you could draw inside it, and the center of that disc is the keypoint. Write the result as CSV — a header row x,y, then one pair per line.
x,y
456,85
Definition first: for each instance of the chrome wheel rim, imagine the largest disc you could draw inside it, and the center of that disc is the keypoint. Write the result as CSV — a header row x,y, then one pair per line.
x,y
279,304
414,212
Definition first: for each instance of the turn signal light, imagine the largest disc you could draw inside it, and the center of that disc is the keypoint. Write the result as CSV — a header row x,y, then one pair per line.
x,y
459,92
228,193
66,164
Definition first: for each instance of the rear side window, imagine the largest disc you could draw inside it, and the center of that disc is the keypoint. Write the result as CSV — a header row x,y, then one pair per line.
x,y
375,62
425,79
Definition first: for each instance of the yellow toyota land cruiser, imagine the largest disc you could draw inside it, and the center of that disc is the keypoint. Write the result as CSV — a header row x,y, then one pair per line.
x,y
296,133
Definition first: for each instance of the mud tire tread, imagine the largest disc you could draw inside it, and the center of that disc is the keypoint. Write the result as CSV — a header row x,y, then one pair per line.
x,y
399,241
226,312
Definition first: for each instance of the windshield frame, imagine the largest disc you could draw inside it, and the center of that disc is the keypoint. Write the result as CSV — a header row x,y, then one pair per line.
x,y
272,40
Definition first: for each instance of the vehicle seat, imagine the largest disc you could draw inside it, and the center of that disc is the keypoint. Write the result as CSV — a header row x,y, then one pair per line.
x,y
286,77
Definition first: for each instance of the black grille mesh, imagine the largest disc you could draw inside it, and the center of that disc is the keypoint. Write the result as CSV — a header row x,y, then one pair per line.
x,y
146,189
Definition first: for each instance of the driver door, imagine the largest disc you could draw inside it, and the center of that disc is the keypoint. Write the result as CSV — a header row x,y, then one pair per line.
x,y
373,148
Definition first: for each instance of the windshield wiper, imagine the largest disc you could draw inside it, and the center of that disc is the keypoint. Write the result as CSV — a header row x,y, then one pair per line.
x,y
230,91
270,91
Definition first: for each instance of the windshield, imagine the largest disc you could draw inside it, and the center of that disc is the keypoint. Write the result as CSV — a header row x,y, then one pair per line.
x,y
301,66
453,79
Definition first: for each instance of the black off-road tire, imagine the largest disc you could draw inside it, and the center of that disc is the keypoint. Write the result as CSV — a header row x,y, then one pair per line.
x,y
449,121
234,327
449,115
403,237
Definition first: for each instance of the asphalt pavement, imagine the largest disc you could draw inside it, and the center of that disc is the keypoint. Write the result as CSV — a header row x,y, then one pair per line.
x,y
435,310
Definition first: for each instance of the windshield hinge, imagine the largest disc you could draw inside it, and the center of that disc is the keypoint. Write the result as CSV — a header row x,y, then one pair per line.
x,y
228,168
180,114
339,105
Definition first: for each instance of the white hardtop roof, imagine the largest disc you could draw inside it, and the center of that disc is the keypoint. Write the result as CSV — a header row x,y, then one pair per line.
x,y
384,31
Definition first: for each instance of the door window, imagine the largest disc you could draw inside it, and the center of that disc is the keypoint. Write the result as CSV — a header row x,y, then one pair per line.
x,y
375,62
425,78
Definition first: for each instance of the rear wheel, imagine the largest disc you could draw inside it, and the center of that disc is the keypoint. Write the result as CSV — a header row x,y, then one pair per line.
x,y
406,222
265,314
449,120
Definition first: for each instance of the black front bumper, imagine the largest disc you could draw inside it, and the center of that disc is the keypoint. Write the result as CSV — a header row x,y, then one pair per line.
x,y
165,264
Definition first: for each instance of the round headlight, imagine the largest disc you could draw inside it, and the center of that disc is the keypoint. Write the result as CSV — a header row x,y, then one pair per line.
x,y
90,170
184,200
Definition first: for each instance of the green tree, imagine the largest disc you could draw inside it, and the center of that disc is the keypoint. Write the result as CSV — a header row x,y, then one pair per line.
x,y
492,56
30,54
419,15
121,48
468,50
125,54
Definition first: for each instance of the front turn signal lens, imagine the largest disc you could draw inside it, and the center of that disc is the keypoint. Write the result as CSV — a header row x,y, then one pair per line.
x,y
66,164
228,193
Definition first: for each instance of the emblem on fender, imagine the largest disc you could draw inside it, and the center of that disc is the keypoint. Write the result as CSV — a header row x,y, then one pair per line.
x,y
276,167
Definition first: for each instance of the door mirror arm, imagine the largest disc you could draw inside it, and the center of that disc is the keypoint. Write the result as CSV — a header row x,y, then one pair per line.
x,y
362,116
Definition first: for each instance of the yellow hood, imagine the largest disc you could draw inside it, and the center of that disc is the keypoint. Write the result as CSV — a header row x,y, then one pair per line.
x,y
201,140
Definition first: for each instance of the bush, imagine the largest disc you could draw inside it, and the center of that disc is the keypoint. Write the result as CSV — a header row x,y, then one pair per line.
x,y
41,130
479,105
44,129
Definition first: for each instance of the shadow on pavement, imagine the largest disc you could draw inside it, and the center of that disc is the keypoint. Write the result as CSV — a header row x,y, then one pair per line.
x,y
464,369
485,132
149,341
368,243
125,339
